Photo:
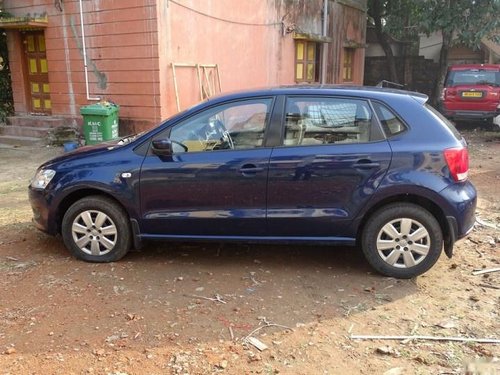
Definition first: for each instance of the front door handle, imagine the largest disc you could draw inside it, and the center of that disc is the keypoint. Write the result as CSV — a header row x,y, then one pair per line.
x,y
365,164
250,169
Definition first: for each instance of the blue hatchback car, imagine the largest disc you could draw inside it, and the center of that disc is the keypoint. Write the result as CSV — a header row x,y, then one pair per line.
x,y
368,167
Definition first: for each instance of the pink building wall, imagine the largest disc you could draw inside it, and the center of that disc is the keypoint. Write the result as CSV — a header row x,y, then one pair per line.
x,y
131,45
247,55
122,49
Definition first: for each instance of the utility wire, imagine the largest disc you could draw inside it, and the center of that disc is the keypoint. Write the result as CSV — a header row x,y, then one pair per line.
x,y
223,19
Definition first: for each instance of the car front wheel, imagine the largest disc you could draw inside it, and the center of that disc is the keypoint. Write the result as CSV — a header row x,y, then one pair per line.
x,y
96,229
402,240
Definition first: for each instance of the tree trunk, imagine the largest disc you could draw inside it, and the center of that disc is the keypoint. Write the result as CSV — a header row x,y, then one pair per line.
x,y
383,39
443,66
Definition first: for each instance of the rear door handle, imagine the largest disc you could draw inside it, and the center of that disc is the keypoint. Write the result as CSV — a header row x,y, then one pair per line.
x,y
365,164
250,169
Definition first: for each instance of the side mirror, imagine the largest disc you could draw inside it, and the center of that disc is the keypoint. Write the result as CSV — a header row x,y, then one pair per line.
x,y
162,147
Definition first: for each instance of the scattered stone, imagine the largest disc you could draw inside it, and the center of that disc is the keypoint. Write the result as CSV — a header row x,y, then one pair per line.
x,y
257,343
446,324
9,351
395,371
252,357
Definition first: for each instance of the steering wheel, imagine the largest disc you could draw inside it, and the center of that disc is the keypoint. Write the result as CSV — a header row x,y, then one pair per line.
x,y
184,147
224,134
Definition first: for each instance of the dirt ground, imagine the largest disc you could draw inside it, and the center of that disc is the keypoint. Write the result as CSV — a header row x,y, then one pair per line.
x,y
186,308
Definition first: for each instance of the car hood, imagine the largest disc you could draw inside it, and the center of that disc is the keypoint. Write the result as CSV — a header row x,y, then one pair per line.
x,y
82,152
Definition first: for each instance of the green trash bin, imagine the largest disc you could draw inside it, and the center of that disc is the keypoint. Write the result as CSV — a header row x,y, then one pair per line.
x,y
100,122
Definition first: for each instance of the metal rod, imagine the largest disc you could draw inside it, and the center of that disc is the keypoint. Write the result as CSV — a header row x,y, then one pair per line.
x,y
84,47
431,338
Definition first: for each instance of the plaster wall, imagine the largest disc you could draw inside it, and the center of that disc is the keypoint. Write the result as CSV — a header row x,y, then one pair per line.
x,y
121,38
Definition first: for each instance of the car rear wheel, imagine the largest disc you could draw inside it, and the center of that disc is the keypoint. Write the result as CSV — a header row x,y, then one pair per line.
x,y
96,229
402,240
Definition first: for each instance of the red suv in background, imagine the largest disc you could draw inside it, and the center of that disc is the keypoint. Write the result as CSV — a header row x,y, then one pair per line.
x,y
472,92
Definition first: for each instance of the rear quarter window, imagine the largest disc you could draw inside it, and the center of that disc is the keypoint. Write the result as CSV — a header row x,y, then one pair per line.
x,y
391,124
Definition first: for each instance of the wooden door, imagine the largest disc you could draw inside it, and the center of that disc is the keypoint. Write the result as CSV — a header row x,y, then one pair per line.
x,y
38,72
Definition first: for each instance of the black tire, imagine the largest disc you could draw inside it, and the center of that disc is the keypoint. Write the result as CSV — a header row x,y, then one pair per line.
x,y
109,241
393,253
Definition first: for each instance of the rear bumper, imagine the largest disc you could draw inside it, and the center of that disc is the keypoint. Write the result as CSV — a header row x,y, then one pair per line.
x,y
469,115
462,216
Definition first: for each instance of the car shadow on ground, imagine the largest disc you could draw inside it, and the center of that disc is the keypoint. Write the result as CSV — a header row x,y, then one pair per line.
x,y
191,292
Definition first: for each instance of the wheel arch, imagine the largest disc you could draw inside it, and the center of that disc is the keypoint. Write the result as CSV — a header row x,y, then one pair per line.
x,y
426,203
76,195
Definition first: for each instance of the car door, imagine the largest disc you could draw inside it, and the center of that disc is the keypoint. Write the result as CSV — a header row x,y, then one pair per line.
x,y
332,159
214,183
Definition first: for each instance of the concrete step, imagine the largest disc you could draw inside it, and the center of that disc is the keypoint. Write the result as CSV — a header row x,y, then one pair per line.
x,y
24,131
21,141
38,121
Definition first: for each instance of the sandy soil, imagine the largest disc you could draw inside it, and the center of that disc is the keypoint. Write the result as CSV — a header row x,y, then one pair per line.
x,y
149,313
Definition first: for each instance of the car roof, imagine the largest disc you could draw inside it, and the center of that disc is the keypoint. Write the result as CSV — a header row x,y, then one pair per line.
x,y
475,66
370,92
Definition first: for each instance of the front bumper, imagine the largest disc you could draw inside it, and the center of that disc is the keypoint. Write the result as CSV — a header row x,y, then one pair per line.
x,y
43,215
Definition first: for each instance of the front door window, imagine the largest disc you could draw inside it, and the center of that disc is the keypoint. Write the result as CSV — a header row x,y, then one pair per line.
x,y
38,72
237,125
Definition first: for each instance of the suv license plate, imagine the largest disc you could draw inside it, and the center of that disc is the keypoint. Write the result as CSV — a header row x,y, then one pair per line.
x,y
472,94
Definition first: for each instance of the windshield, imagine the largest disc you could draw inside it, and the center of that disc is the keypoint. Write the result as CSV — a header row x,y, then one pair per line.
x,y
473,77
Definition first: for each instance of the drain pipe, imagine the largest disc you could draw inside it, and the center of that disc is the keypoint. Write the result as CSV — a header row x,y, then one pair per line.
x,y
325,45
85,57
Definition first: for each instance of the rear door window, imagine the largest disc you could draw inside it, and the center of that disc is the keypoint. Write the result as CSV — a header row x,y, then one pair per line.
x,y
317,121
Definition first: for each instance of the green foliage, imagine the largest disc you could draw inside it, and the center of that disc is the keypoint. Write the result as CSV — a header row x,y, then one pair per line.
x,y
399,19
6,101
467,20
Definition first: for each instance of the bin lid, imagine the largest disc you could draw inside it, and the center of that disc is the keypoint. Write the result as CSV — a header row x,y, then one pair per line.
x,y
102,109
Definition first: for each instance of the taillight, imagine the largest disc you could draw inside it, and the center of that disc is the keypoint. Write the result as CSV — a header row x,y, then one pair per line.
x,y
458,162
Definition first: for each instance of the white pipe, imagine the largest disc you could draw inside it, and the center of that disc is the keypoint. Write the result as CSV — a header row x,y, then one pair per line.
x,y
85,57
325,45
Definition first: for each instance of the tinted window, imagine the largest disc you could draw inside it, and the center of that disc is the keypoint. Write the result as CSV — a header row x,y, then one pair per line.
x,y
238,125
391,124
316,121
473,77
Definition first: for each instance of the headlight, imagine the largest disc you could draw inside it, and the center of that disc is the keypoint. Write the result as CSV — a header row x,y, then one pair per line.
x,y
42,178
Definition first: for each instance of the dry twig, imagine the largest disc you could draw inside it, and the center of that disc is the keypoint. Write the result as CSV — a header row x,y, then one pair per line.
x,y
217,298
266,325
